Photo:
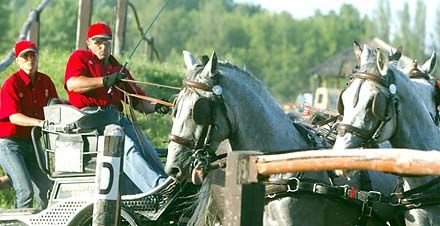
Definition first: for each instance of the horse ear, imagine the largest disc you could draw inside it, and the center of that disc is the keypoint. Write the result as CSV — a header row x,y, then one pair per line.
x,y
381,62
189,59
395,56
357,53
212,64
429,65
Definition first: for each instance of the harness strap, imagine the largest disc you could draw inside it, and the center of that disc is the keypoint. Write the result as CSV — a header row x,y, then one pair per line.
x,y
274,188
342,128
366,198
414,198
420,200
372,77
421,188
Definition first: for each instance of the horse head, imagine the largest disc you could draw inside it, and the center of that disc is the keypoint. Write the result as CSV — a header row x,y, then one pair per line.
x,y
415,70
381,103
368,102
199,121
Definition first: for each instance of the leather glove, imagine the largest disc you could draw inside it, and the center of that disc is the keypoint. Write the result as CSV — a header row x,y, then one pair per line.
x,y
162,109
113,79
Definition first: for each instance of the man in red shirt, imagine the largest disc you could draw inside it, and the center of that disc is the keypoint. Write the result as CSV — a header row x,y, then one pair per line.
x,y
22,98
89,78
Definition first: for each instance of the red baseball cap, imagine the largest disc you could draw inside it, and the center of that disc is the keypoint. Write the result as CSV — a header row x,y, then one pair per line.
x,y
99,30
24,46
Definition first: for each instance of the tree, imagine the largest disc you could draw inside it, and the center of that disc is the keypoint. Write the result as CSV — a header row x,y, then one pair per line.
x,y
4,25
58,27
382,19
419,30
412,35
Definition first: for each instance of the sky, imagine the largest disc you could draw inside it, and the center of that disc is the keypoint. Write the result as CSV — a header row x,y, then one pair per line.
x,y
302,9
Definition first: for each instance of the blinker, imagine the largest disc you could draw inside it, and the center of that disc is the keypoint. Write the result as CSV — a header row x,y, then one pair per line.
x,y
202,111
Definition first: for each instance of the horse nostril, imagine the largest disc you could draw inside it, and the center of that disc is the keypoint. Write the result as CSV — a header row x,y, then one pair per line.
x,y
174,172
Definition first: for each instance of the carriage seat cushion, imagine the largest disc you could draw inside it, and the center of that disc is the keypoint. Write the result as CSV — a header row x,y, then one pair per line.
x,y
69,119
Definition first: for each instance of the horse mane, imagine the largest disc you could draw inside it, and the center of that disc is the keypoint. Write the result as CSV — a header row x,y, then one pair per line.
x,y
247,100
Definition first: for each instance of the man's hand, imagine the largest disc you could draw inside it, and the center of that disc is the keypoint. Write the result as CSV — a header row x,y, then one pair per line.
x,y
113,79
41,123
162,109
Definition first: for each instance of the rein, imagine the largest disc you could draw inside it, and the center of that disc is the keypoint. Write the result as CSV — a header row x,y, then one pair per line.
x,y
145,97
151,84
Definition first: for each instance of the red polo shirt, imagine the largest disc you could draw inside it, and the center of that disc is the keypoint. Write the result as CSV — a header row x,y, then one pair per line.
x,y
18,95
84,63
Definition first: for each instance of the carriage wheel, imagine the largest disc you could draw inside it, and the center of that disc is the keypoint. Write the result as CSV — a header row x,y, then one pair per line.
x,y
85,216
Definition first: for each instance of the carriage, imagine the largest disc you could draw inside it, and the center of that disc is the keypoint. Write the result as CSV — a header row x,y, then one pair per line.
x,y
67,152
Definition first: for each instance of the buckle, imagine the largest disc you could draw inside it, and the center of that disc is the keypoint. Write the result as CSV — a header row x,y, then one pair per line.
x,y
289,189
315,187
374,196
367,210
395,199
349,192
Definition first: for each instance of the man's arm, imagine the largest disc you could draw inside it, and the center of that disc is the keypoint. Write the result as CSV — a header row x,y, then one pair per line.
x,y
83,84
23,120
145,106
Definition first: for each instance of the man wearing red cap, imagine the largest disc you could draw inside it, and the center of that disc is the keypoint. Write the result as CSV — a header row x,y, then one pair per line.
x,y
22,98
89,78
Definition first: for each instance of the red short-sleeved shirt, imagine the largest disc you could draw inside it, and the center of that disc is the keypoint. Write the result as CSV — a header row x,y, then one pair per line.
x,y
18,95
84,63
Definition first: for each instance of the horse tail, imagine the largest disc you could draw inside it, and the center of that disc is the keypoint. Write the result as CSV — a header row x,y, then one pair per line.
x,y
205,213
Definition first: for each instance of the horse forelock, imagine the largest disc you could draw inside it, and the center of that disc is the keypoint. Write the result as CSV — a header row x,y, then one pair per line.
x,y
368,61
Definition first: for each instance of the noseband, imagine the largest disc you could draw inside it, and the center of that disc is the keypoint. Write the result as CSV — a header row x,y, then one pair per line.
x,y
202,152
372,136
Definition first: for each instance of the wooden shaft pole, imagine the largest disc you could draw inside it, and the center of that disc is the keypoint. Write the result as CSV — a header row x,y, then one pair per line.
x,y
401,161
107,208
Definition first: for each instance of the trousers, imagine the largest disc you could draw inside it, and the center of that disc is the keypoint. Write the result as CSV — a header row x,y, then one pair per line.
x,y
17,157
142,165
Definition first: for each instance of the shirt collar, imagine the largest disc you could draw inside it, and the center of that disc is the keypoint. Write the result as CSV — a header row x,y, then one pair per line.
x,y
25,77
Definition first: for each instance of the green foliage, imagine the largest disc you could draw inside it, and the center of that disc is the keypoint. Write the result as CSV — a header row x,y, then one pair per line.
x,y
4,24
412,33
7,198
383,13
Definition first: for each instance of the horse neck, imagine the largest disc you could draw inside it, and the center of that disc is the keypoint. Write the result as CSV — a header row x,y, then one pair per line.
x,y
257,122
415,126
426,91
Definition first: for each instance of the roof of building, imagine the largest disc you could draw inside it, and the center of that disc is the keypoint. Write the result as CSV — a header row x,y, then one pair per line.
x,y
342,63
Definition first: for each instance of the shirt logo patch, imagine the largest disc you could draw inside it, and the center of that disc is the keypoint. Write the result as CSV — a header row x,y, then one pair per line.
x,y
20,95
90,62
46,92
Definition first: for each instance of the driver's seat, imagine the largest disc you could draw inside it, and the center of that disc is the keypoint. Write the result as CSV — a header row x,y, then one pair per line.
x,y
70,138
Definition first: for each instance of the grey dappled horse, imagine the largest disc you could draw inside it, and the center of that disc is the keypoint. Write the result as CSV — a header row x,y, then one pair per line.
x,y
382,103
422,79
244,112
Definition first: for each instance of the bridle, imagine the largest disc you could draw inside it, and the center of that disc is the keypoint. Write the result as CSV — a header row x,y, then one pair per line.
x,y
379,109
202,152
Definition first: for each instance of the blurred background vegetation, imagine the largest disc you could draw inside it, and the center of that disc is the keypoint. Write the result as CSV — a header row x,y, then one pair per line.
x,y
276,47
